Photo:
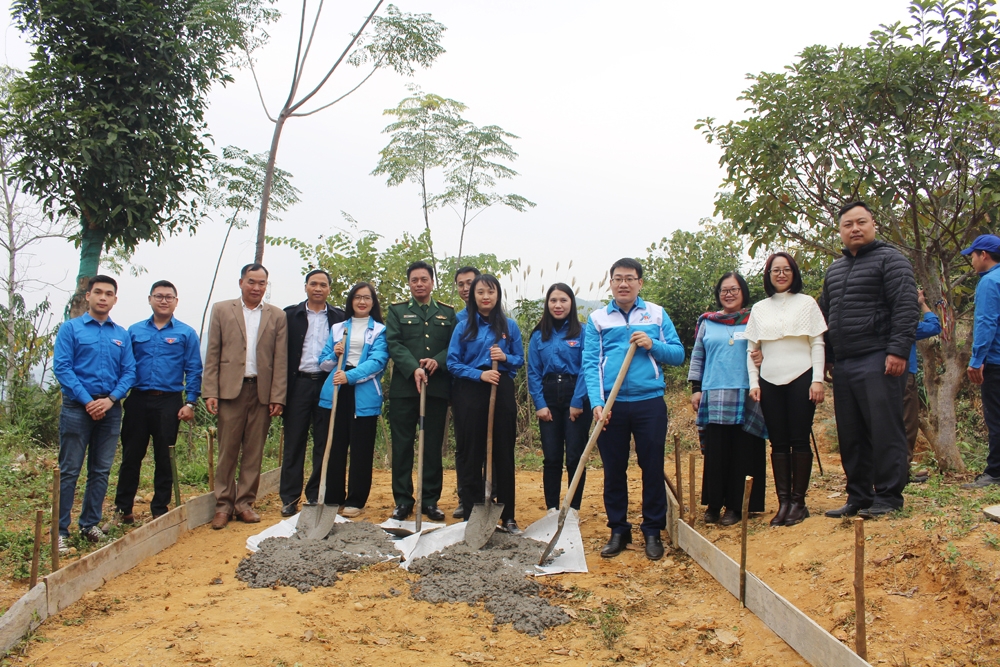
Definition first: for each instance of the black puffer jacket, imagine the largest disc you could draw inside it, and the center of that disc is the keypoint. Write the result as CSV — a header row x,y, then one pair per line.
x,y
870,303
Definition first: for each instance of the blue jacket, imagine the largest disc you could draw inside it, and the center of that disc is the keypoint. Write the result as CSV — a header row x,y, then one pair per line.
x,y
166,359
93,358
366,376
466,357
558,354
607,341
928,327
986,332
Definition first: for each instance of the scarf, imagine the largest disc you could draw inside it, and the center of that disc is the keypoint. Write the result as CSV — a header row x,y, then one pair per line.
x,y
741,316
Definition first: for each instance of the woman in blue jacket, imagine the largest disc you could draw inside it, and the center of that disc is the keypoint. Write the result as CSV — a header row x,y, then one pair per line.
x,y
559,391
486,335
359,401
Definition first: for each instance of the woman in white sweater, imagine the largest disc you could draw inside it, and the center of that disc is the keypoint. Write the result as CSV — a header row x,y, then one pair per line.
x,y
788,329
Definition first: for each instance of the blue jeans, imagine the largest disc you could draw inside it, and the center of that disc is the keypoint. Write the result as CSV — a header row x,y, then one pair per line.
x,y
80,435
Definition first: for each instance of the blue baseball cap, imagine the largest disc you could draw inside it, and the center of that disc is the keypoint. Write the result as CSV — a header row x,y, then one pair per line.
x,y
987,242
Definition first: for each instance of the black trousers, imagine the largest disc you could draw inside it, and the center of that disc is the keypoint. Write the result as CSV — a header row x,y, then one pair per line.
x,y
788,413
562,437
301,412
869,408
147,416
351,435
991,415
471,406
732,455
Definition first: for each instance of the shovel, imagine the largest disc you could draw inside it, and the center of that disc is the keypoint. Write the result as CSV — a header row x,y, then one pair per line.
x,y
582,465
317,519
483,520
400,531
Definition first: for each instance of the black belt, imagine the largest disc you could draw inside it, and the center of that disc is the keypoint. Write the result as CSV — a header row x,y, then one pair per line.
x,y
97,396
312,376
250,379
559,377
155,392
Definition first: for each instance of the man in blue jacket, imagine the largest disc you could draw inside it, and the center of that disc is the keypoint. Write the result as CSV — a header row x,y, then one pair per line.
x,y
984,366
639,409
94,365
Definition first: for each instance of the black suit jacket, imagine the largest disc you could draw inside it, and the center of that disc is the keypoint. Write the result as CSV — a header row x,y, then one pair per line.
x,y
298,324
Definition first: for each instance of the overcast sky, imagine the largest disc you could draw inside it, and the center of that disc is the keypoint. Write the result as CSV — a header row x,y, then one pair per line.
x,y
604,97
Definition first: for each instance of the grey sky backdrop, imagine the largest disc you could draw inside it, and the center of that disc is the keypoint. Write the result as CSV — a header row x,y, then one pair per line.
x,y
604,96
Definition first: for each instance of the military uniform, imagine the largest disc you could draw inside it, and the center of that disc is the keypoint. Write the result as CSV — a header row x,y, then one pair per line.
x,y
416,332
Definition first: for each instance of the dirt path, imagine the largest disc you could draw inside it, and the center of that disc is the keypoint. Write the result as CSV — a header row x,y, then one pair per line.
x,y
184,607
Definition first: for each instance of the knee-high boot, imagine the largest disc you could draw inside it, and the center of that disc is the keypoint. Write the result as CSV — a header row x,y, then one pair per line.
x,y
781,464
801,472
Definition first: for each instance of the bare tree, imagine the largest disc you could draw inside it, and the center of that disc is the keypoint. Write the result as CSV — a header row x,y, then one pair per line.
x,y
396,41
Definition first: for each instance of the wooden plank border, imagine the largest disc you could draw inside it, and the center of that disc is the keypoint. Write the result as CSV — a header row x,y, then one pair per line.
x,y
806,637
24,616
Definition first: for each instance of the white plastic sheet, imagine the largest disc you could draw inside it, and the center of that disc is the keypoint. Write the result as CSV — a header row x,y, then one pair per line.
x,y
284,528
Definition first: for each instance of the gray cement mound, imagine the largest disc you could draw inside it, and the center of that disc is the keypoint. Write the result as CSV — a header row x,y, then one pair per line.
x,y
304,564
494,574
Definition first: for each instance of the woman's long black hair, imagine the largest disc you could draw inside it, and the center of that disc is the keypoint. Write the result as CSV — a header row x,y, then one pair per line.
x,y
376,311
497,318
548,323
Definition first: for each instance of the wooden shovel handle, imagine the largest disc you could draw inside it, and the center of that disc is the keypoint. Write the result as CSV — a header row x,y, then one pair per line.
x,y
489,441
321,497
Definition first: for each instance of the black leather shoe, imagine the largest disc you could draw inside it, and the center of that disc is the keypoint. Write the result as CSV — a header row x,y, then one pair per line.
x,y
402,512
730,518
511,527
616,544
848,509
459,512
712,514
654,547
877,510
291,509
433,513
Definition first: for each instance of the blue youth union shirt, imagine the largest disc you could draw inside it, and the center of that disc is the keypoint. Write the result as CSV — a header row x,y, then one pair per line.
x,y
91,357
165,358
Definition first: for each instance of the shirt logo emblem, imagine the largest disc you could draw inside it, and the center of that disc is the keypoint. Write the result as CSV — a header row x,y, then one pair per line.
x,y
644,317
116,342
171,341
573,343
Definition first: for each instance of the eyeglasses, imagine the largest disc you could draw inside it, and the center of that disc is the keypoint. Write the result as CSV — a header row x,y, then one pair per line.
x,y
781,271
163,298
617,280
732,290
362,298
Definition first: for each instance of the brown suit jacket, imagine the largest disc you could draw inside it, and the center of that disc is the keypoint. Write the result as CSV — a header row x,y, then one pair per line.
x,y
225,360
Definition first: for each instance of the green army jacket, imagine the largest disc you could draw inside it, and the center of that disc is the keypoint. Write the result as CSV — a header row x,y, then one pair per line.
x,y
413,335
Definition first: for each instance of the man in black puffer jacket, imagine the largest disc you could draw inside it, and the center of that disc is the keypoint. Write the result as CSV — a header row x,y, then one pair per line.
x,y
870,304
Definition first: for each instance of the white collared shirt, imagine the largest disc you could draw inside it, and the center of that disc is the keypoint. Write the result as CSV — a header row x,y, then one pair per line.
x,y
316,335
251,317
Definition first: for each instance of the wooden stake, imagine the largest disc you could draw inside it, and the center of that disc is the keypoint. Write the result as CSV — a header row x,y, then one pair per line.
x,y
860,635
211,465
447,425
173,471
691,514
679,477
37,550
281,447
747,486
54,531
190,450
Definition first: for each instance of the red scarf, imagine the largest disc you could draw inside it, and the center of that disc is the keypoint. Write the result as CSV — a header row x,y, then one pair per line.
x,y
741,316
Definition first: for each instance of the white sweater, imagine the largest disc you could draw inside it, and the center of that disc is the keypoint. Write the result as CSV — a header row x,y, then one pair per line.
x,y
788,329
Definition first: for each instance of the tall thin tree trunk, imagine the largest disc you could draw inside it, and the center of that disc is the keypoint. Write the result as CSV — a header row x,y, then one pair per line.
x,y
427,217
941,426
91,246
215,276
10,370
265,197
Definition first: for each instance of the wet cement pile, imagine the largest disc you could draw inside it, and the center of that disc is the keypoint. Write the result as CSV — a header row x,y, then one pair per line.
x,y
494,574
305,564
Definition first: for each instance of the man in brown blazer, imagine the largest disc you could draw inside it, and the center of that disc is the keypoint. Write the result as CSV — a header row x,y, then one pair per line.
x,y
244,382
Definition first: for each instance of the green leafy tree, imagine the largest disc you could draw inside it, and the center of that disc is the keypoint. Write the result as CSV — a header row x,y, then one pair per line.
x,y
680,272
422,135
910,123
397,41
109,120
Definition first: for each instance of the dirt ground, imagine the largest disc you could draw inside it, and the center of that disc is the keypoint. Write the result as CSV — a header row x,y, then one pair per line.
x,y
930,598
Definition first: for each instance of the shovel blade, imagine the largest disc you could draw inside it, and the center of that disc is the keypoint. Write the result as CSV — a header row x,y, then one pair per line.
x,y
482,524
316,521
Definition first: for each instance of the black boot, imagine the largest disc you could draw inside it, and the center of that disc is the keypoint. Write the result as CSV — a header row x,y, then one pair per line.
x,y
781,464
802,463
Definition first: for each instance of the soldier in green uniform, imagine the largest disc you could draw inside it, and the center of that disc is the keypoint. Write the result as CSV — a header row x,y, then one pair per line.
x,y
418,332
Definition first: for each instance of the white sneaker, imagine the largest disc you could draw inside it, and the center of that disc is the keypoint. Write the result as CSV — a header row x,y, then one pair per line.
x,y
63,546
350,512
